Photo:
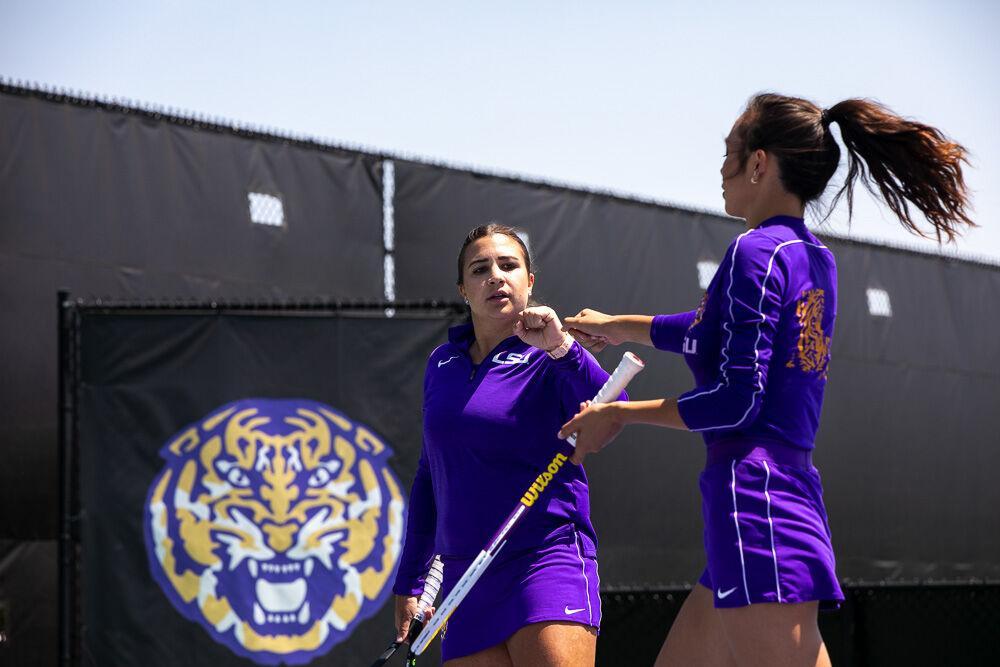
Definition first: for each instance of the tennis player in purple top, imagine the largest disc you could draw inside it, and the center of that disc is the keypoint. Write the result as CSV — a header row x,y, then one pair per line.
x,y
758,346
495,396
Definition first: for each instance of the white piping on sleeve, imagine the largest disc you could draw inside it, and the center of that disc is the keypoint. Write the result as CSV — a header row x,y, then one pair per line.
x,y
725,357
725,325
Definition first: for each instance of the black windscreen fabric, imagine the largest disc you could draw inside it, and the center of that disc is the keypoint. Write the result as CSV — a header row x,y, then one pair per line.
x,y
167,205
120,205
579,241
145,378
909,437
28,590
908,442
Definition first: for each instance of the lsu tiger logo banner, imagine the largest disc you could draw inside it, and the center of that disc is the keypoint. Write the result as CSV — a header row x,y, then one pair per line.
x,y
275,525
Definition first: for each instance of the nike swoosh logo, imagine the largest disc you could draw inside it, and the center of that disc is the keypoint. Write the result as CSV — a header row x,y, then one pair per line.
x,y
724,594
442,363
570,612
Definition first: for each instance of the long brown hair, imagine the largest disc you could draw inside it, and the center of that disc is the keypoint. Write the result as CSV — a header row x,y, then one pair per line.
x,y
903,161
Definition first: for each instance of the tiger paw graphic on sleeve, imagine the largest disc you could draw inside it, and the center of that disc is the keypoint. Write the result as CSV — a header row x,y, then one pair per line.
x,y
275,524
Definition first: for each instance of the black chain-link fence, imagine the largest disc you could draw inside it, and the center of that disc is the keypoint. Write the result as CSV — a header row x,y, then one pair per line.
x,y
883,626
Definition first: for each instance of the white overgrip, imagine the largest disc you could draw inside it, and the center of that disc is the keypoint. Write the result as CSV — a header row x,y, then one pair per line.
x,y
627,368
450,603
432,584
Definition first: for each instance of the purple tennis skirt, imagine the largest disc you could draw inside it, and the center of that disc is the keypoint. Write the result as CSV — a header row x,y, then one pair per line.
x,y
557,582
767,538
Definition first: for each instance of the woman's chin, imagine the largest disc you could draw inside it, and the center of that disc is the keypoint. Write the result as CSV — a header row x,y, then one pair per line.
x,y
498,305
502,309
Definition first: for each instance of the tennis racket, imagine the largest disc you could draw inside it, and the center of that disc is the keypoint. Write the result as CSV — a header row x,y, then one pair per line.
x,y
627,368
431,585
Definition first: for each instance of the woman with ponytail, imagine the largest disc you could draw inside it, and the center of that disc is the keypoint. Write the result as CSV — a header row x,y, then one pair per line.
x,y
758,346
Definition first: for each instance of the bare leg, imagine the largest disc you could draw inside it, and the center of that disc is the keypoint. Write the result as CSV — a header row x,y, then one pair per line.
x,y
553,644
697,636
775,634
494,656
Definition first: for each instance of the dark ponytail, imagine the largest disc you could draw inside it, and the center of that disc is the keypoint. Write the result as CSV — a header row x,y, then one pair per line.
x,y
906,161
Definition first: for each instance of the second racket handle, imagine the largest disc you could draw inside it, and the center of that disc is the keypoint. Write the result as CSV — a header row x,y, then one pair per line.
x,y
432,583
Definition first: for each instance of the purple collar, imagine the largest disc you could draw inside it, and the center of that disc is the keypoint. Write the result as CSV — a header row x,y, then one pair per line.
x,y
787,220
463,336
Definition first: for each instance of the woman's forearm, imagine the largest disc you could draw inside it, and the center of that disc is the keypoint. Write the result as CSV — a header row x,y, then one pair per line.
x,y
632,329
659,412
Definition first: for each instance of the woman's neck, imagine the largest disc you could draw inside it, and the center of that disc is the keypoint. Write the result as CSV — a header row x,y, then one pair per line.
x,y
773,205
489,333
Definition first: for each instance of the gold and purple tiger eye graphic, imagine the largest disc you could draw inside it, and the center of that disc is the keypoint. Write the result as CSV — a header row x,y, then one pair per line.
x,y
813,349
275,524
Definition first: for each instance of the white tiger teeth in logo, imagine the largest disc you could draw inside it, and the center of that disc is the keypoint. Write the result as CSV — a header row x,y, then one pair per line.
x,y
275,525
281,597
304,613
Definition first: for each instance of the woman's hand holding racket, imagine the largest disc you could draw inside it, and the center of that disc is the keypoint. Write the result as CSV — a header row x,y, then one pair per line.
x,y
595,426
413,612
407,607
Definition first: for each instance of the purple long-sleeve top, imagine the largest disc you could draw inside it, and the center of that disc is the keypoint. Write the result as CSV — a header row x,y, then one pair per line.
x,y
489,430
759,343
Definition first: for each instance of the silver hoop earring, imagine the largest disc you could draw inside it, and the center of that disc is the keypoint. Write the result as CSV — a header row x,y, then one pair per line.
x,y
753,179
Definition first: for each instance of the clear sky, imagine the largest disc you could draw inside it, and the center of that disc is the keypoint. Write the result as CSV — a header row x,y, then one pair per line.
x,y
630,96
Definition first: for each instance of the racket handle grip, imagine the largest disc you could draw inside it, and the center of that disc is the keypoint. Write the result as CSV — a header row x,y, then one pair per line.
x,y
627,368
432,583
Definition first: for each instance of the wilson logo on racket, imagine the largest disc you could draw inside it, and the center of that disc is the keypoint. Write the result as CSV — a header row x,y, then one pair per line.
x,y
275,525
542,481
